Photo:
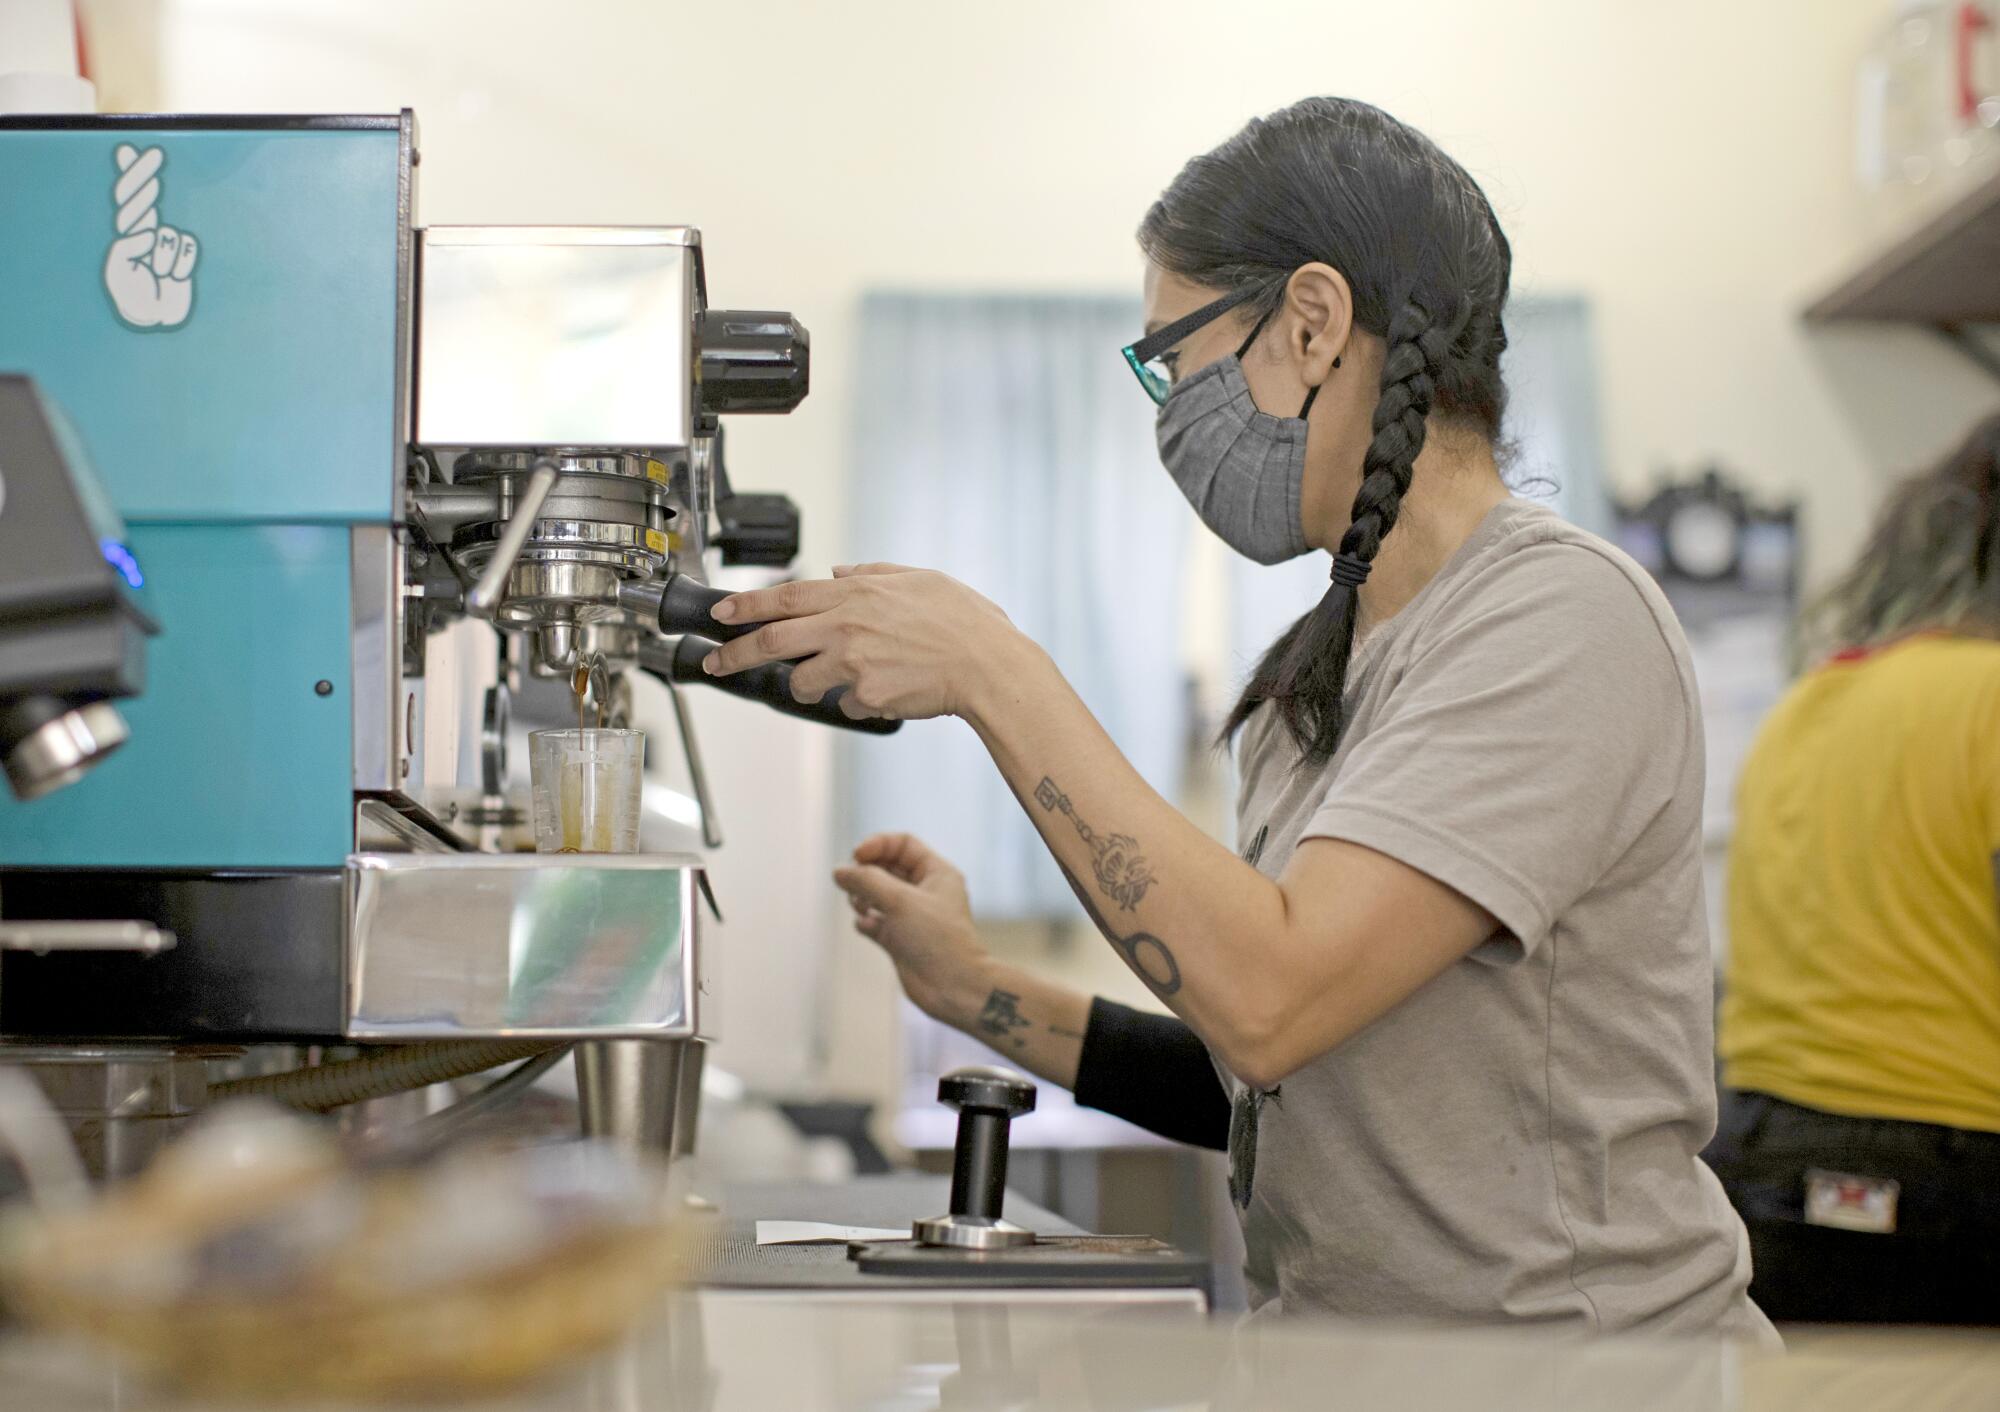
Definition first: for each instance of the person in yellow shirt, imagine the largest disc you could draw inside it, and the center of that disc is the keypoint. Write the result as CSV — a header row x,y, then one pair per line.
x,y
1860,1023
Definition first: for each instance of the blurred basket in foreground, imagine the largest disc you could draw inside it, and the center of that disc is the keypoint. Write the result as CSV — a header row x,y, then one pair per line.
x,y
272,1268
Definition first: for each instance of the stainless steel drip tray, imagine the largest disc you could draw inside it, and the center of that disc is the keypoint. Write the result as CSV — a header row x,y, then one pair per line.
x,y
565,946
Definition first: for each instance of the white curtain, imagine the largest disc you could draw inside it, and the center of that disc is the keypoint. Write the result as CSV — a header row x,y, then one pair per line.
x,y
1003,440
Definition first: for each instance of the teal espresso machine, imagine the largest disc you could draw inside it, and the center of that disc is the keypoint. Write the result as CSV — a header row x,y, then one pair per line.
x,y
371,482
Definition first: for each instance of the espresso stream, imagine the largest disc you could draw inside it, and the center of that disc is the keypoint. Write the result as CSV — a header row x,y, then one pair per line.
x,y
579,685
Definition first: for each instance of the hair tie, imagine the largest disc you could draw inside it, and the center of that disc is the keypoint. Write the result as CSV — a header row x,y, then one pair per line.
x,y
1350,569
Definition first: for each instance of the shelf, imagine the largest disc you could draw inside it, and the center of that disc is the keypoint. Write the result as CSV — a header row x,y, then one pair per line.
x,y
1943,271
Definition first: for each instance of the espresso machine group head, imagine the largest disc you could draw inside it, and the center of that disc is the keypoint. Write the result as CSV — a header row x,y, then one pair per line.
x,y
560,405
571,386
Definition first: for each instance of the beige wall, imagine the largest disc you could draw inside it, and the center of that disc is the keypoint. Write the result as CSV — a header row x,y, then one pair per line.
x,y
1685,166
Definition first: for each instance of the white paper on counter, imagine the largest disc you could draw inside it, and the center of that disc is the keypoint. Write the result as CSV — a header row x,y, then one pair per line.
x,y
812,1232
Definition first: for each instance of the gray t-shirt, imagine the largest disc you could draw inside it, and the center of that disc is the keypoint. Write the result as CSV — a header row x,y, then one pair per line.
x,y
1518,1141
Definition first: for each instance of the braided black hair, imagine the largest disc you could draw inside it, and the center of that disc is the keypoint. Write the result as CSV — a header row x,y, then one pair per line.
x,y
1341,182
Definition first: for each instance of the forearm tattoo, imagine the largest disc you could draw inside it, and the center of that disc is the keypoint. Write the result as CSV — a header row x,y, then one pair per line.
x,y
1148,956
1145,953
1122,872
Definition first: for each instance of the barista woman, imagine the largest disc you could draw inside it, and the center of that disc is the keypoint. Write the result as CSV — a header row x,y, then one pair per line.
x,y
1456,988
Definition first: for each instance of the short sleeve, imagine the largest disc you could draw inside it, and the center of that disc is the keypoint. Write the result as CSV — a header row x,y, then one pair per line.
x,y
1534,734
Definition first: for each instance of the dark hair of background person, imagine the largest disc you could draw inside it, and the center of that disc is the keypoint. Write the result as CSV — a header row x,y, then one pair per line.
x,y
1928,563
1341,182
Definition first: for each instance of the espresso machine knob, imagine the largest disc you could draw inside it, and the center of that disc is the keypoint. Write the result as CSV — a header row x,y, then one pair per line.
x,y
988,1099
753,360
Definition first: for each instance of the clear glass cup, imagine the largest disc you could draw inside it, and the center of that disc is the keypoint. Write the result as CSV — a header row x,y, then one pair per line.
x,y
586,789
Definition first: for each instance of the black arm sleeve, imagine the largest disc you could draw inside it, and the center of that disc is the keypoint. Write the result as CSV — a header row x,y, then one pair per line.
x,y
1153,1071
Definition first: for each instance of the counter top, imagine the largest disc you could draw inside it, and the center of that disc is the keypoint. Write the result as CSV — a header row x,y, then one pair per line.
x,y
708,1353
778,1344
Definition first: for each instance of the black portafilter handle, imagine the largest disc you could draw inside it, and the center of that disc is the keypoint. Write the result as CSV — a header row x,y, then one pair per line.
x,y
988,1099
769,684
680,604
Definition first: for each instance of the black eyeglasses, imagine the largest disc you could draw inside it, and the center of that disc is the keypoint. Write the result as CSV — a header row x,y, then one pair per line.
x,y
1148,355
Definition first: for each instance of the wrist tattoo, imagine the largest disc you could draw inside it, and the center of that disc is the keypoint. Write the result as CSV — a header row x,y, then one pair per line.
x,y
1000,1017
1123,874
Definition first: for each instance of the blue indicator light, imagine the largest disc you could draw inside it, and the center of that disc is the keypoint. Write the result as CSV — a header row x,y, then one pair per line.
x,y
120,558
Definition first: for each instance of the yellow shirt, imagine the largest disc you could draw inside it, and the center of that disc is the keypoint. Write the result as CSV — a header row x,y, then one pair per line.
x,y
1864,927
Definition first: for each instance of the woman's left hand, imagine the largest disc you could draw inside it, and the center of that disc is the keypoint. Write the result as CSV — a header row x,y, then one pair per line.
x,y
905,643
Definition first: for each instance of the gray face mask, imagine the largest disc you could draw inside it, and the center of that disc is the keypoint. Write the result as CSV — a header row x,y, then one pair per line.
x,y
1243,470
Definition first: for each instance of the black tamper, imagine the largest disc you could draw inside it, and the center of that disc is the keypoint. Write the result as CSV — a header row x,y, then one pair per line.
x,y
987,1100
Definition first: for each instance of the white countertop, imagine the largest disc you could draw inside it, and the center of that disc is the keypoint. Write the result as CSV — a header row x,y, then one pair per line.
x,y
718,1352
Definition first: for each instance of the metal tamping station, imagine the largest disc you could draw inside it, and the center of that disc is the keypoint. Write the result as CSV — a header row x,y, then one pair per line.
x,y
988,1099
973,1244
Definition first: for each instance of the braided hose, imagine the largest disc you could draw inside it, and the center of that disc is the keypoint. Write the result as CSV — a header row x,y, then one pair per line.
x,y
327,1086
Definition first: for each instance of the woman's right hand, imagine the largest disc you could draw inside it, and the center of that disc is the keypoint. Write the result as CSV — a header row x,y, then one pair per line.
x,y
912,903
